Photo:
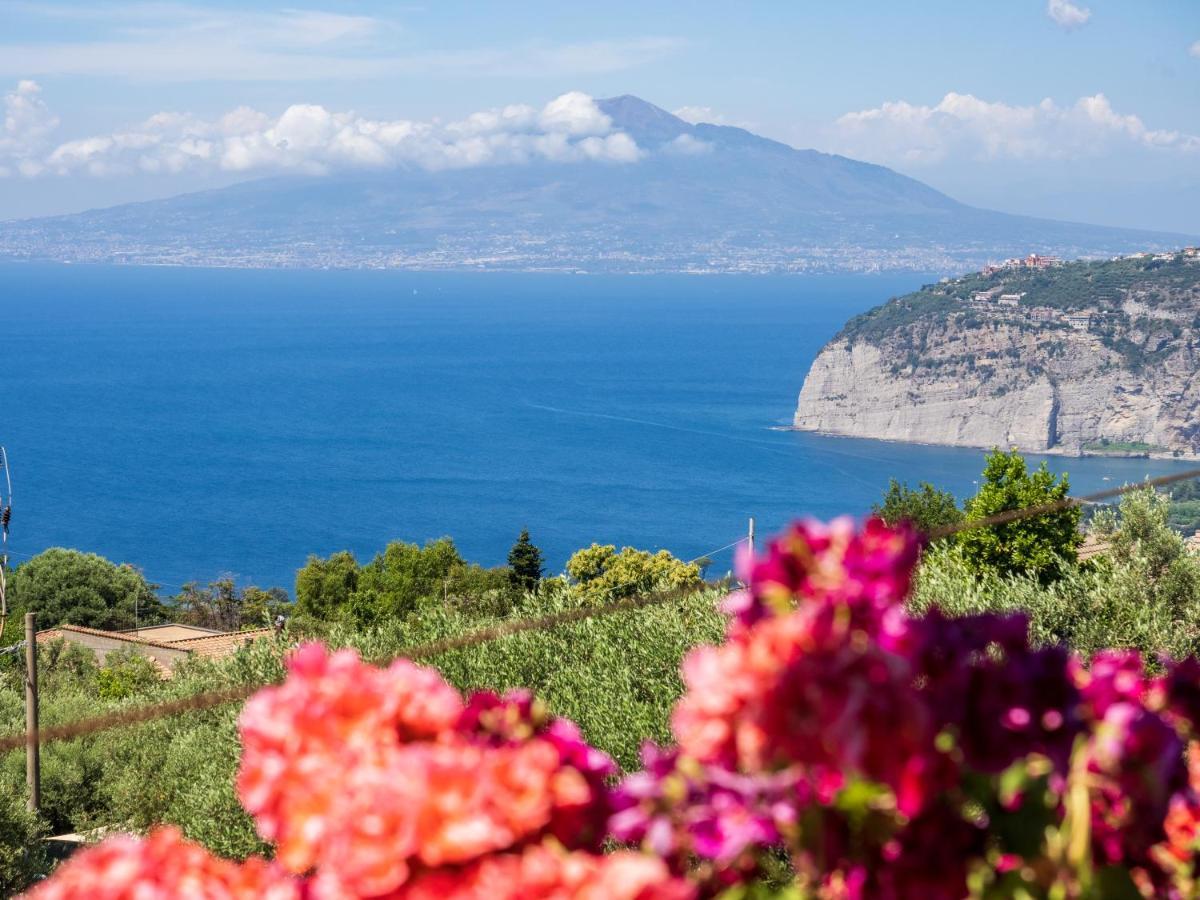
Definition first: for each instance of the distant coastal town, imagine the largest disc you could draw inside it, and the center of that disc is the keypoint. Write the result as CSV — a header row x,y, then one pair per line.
x,y
1004,304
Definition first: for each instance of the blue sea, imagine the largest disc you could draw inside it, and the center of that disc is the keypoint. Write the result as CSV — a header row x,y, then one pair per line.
x,y
204,422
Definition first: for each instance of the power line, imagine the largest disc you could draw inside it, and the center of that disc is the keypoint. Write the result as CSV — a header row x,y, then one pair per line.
x,y
1028,512
210,699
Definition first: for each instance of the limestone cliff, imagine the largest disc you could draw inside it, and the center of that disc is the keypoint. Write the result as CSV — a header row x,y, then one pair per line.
x,y
1078,358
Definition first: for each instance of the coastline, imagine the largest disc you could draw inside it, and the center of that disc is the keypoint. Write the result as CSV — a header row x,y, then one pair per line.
x,y
1162,456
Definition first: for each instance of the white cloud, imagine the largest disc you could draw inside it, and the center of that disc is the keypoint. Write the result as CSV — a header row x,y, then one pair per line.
x,y
1066,14
698,114
310,138
1195,49
27,125
686,145
575,113
964,126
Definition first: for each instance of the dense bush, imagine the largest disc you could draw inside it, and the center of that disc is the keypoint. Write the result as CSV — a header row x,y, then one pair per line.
x,y
80,588
1144,593
22,853
926,508
600,574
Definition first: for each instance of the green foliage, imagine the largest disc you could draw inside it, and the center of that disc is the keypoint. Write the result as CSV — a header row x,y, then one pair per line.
x,y
397,582
324,586
601,574
525,567
22,854
82,589
124,674
1042,545
1120,448
1144,593
926,508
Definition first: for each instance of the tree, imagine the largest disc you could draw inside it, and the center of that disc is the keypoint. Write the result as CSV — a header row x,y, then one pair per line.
x,y
1141,539
395,584
83,589
1043,545
324,586
601,574
525,564
926,508
226,607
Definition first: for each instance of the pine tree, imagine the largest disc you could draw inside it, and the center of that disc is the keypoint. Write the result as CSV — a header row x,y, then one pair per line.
x,y
525,563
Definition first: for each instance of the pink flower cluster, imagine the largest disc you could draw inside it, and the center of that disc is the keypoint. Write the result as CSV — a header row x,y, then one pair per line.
x,y
385,783
899,757
163,866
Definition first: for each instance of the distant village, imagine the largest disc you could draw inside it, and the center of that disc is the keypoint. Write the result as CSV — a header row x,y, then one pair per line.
x,y
997,303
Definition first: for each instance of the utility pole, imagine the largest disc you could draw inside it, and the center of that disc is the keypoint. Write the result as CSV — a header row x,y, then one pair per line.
x,y
5,517
33,766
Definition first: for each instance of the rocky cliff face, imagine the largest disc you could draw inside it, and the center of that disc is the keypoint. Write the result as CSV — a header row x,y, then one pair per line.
x,y
951,365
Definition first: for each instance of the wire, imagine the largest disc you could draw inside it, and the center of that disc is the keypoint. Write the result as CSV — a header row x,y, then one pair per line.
x,y
1028,512
210,699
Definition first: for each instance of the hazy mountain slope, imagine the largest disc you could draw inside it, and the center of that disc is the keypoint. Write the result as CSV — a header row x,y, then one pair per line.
x,y
703,197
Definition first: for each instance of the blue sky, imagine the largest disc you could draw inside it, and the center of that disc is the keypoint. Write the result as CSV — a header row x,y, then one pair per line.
x,y
1078,110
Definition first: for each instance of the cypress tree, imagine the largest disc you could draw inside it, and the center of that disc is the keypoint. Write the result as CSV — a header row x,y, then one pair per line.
x,y
525,563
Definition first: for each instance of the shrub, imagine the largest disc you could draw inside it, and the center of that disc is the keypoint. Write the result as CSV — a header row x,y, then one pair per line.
x,y
22,852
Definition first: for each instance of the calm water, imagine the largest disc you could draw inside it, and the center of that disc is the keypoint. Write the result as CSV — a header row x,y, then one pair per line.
x,y
199,422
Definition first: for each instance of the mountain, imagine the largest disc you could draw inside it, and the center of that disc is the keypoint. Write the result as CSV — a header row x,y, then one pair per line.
x,y
700,198
1082,358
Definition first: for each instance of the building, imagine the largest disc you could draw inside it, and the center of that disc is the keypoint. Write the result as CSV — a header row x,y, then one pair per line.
x,y
172,631
1093,545
1010,299
1193,543
164,654
1079,321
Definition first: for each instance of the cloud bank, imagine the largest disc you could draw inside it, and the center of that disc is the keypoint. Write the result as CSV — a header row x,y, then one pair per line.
x,y
964,126
28,124
1067,15
310,139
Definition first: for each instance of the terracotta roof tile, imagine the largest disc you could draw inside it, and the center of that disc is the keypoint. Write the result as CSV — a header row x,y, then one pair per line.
x,y
1092,547
220,644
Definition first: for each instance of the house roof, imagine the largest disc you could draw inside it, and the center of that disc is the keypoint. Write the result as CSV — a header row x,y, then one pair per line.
x,y
214,645
51,633
1092,546
170,631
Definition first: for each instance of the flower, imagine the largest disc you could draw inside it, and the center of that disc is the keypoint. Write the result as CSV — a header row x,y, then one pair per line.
x,y
681,810
549,873
162,866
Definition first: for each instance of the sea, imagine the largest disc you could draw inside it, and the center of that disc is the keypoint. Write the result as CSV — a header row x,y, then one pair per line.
x,y
206,422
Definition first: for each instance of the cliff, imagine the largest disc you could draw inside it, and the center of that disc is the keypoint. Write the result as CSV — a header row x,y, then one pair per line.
x,y
1086,357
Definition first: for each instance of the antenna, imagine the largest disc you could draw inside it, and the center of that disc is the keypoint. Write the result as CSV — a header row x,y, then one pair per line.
x,y
5,517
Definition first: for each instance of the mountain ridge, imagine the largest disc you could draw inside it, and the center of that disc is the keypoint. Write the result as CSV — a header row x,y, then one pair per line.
x,y
700,198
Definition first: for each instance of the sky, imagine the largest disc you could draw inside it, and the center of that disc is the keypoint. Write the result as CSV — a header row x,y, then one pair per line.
x,y
1071,110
